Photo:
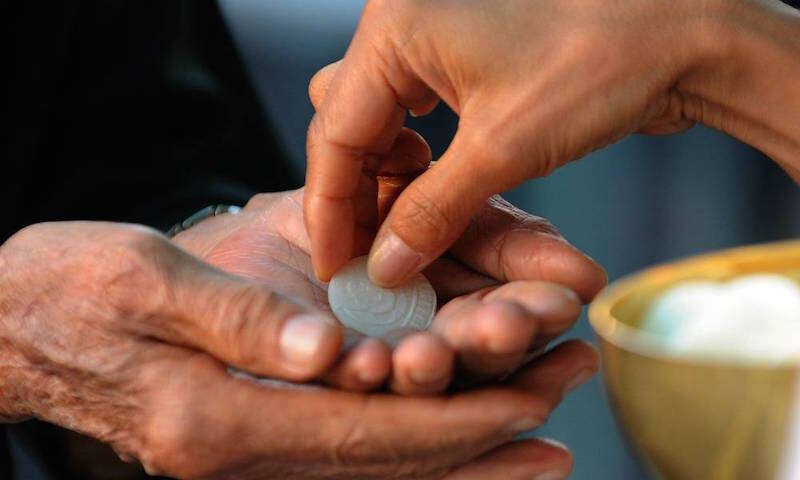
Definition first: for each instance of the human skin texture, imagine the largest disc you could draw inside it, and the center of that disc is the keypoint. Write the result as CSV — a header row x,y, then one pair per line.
x,y
536,85
116,332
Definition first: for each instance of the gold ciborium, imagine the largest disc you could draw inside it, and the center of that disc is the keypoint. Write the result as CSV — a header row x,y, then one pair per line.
x,y
699,419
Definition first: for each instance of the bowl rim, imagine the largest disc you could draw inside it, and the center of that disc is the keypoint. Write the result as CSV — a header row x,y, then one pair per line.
x,y
632,339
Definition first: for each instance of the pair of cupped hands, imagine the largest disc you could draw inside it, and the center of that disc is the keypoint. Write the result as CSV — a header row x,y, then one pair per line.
x,y
119,333
124,335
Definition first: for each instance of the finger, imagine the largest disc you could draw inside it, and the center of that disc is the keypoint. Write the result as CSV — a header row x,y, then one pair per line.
x,y
495,329
559,371
431,213
553,307
202,421
523,460
318,89
670,118
360,117
318,86
388,174
236,320
422,365
666,127
409,157
452,279
365,367
508,244
490,338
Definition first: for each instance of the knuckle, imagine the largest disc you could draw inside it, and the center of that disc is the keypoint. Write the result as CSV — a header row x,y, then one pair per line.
x,y
169,437
316,87
165,450
351,447
133,272
357,446
391,25
140,240
108,273
354,445
423,214
242,325
524,264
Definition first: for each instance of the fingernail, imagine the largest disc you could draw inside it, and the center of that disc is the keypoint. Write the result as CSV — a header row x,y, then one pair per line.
x,y
558,299
554,443
302,337
582,377
554,475
524,425
391,260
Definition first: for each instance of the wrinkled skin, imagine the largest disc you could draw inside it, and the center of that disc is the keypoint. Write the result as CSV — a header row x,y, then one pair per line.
x,y
113,331
268,242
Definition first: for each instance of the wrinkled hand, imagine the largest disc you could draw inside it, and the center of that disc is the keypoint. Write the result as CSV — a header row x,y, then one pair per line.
x,y
498,304
112,331
535,85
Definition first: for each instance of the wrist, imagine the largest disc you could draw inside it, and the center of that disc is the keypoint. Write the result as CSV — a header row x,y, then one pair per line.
x,y
743,78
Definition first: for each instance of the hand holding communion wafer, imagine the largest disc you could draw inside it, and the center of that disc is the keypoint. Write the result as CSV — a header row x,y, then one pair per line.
x,y
497,302
115,332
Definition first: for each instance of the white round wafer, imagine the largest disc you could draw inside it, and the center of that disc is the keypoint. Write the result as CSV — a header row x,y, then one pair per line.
x,y
380,312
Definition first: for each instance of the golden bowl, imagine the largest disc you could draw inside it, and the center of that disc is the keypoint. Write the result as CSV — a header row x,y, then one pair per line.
x,y
691,418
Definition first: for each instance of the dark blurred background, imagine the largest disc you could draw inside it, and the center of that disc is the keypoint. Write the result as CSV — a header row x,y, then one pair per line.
x,y
643,201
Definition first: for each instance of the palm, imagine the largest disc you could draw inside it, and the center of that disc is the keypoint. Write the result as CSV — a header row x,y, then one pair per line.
x,y
488,323
268,242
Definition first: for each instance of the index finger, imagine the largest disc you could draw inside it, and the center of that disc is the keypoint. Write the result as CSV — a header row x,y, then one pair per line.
x,y
363,112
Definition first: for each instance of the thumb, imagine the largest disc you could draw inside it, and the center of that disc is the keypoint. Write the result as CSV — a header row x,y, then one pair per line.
x,y
247,325
434,210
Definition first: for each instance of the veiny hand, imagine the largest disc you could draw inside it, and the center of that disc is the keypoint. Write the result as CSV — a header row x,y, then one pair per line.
x,y
536,85
498,304
111,331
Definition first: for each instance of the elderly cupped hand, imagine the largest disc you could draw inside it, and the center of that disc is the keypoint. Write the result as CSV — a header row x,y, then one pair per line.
x,y
114,331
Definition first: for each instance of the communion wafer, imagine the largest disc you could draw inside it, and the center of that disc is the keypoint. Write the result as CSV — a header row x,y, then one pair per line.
x,y
380,312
